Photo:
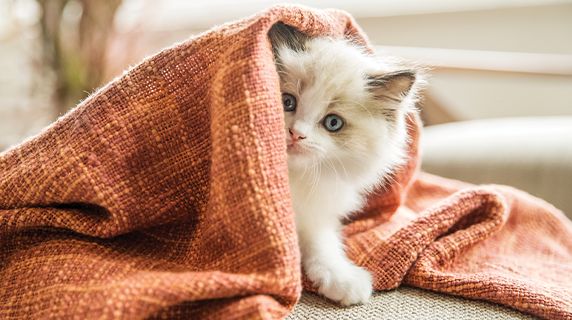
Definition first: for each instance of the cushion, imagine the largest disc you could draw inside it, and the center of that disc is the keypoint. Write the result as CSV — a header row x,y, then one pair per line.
x,y
404,303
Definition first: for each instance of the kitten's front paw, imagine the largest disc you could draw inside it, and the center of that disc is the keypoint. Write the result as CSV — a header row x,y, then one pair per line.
x,y
349,285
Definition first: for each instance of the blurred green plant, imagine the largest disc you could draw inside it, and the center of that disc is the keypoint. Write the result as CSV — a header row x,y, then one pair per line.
x,y
75,35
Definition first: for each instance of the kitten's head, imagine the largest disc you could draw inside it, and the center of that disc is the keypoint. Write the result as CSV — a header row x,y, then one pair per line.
x,y
343,110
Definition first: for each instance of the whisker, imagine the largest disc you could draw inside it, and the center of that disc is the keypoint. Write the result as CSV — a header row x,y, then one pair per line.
x,y
331,165
342,164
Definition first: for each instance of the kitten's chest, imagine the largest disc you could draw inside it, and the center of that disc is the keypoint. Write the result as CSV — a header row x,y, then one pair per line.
x,y
324,197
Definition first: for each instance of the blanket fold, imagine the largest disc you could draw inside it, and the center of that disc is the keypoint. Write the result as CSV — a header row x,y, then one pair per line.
x,y
165,195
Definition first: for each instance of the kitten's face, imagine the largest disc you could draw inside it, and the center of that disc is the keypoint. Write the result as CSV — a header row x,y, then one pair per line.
x,y
334,113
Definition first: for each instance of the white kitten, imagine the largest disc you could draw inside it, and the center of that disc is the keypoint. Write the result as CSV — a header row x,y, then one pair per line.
x,y
345,126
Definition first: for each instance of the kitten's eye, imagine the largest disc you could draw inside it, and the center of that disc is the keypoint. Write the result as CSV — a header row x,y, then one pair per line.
x,y
333,122
289,102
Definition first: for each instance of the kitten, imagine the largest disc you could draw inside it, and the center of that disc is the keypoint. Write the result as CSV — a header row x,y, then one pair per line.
x,y
345,133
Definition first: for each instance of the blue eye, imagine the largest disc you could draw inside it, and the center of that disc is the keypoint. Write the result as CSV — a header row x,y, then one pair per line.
x,y
333,122
288,102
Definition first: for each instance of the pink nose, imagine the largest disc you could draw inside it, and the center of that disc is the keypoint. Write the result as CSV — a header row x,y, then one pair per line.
x,y
296,135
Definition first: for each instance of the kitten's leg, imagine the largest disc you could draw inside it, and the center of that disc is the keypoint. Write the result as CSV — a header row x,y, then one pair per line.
x,y
327,266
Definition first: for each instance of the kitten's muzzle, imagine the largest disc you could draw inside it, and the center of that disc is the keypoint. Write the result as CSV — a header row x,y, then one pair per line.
x,y
295,149
296,135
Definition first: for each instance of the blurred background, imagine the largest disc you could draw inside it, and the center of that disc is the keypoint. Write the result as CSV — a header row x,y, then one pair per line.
x,y
490,58
498,107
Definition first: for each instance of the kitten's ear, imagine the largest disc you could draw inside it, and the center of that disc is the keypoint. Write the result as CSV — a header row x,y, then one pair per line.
x,y
393,85
283,35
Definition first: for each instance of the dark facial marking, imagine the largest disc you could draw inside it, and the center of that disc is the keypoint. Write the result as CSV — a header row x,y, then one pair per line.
x,y
392,85
284,35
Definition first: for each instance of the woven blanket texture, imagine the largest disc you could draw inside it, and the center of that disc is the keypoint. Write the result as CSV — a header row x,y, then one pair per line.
x,y
165,195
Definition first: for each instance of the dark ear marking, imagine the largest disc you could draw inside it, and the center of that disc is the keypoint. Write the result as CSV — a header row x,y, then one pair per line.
x,y
393,85
282,34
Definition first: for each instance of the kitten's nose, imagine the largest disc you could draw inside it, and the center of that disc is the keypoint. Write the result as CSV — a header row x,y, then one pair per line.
x,y
296,135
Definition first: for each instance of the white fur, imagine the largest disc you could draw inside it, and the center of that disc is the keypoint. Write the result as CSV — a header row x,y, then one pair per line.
x,y
329,179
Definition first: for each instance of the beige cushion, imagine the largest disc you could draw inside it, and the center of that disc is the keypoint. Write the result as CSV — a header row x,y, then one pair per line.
x,y
532,154
404,303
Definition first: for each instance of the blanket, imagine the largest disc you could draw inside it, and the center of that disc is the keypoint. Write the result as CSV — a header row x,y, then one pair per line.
x,y
165,195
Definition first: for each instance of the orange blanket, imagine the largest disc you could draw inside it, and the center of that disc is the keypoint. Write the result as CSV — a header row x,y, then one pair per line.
x,y
165,194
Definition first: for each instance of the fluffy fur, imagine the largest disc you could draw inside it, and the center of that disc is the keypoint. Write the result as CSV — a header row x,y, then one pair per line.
x,y
331,172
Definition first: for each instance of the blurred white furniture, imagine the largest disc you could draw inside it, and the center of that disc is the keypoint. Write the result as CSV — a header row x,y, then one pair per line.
x,y
532,154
